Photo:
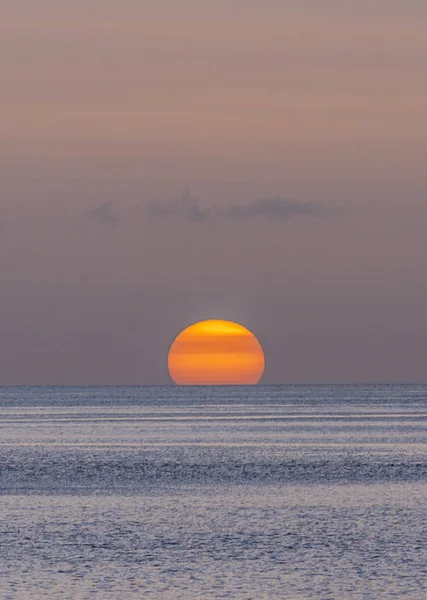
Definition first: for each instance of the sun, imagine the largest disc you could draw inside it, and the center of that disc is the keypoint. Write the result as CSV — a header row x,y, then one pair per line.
x,y
216,352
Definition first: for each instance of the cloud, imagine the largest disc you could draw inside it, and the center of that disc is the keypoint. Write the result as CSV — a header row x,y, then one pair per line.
x,y
277,208
2,226
189,208
104,215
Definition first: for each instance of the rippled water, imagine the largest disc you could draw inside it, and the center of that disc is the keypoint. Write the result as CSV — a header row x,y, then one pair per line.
x,y
186,493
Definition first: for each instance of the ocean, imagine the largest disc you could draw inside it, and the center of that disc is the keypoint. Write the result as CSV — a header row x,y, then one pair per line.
x,y
243,493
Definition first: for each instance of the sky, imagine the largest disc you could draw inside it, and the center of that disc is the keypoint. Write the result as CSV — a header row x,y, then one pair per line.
x,y
164,162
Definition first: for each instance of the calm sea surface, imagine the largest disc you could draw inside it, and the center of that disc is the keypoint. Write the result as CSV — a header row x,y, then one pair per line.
x,y
273,492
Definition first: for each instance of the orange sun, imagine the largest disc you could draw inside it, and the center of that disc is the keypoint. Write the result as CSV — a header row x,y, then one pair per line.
x,y
216,352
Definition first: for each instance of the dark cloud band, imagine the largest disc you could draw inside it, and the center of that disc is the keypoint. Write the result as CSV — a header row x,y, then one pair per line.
x,y
189,208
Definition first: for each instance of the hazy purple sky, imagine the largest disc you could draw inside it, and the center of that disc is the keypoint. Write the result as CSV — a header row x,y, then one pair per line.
x,y
163,162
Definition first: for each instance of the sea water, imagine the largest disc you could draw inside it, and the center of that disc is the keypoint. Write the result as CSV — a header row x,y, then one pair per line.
x,y
243,493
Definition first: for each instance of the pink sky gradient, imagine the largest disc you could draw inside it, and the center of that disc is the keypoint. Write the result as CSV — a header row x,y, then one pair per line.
x,y
132,104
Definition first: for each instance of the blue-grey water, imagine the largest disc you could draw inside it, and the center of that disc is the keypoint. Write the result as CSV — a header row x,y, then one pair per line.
x,y
272,492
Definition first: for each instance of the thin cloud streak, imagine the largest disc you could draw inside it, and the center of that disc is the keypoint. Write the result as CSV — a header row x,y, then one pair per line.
x,y
189,208
104,216
278,208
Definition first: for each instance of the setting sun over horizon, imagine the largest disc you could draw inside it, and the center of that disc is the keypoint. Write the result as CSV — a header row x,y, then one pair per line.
x,y
216,352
